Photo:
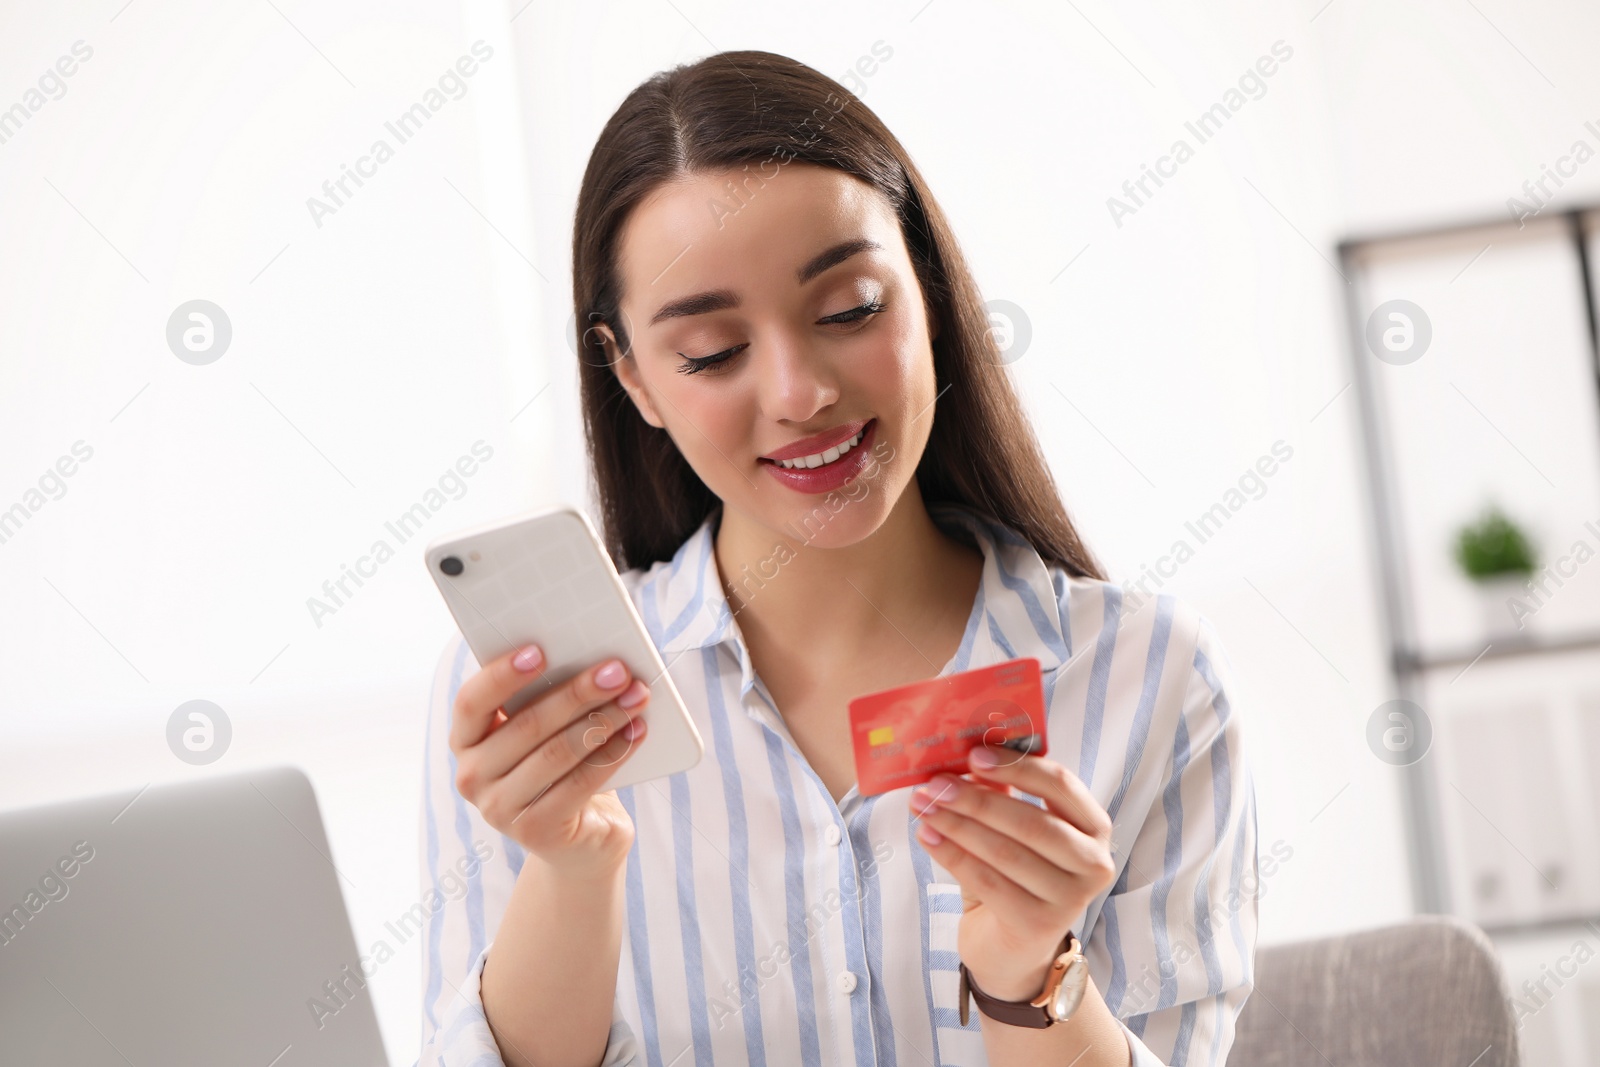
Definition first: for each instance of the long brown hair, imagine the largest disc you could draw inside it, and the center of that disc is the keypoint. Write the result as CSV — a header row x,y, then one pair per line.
x,y
739,110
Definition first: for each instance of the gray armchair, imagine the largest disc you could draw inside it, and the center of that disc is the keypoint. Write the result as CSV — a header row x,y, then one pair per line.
x,y
1427,992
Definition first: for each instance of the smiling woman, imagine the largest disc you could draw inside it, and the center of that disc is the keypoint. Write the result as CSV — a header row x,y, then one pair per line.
x,y
892,270
821,361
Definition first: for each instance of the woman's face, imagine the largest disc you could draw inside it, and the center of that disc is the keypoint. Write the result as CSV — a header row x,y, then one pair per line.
x,y
774,329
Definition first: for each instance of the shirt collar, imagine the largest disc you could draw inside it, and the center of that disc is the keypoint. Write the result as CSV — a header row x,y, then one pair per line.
x,y
1017,612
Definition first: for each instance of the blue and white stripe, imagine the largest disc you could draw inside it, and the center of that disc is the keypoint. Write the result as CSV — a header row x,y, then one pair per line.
x,y
768,925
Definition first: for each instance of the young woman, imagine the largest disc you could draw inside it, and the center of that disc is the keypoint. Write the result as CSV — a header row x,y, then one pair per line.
x,y
810,461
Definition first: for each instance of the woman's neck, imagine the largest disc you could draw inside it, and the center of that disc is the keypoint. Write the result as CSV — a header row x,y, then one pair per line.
x,y
908,576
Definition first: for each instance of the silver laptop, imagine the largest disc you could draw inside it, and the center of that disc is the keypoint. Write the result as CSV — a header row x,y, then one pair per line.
x,y
199,923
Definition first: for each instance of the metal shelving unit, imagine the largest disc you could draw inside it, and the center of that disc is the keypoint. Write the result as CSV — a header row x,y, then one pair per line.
x,y
1409,662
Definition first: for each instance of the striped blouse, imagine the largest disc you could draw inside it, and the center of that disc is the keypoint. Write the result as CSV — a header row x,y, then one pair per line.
x,y
767,924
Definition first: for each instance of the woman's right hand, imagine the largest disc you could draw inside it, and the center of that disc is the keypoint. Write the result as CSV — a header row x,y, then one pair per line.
x,y
535,775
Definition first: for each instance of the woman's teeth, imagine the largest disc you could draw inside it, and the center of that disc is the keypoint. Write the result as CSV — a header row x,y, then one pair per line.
x,y
821,458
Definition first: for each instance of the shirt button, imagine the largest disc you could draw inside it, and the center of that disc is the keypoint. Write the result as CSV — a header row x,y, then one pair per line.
x,y
831,834
847,982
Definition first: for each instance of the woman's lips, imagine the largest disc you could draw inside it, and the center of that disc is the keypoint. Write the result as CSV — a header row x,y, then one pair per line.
x,y
819,443
829,476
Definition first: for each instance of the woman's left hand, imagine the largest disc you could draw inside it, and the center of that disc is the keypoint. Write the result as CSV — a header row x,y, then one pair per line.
x,y
1026,872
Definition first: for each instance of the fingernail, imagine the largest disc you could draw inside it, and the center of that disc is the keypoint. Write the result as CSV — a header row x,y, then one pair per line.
x,y
528,659
928,835
922,798
611,675
634,696
634,728
982,757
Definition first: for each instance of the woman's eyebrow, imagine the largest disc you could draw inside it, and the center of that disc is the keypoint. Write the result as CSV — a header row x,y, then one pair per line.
x,y
698,304
834,256
721,299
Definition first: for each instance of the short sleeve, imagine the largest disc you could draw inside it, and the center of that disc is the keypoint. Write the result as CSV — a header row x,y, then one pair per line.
x,y
468,870
1177,932
465,1040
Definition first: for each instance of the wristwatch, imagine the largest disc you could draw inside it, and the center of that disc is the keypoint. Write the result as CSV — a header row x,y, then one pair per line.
x,y
1063,991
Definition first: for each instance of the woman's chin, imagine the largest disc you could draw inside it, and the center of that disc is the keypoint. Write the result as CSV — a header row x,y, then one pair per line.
x,y
834,520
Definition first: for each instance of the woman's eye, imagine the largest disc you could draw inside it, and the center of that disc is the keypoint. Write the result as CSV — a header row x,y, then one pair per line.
x,y
693,365
857,314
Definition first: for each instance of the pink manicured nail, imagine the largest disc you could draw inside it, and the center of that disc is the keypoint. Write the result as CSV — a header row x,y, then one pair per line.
x,y
633,729
611,675
528,659
634,696
982,757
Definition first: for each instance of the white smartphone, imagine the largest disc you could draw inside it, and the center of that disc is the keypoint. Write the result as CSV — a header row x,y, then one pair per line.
x,y
544,578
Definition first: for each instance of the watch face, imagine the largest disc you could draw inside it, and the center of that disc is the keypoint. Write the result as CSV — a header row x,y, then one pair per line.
x,y
1069,994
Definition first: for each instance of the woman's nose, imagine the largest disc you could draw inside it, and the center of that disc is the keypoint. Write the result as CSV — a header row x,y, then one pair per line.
x,y
795,378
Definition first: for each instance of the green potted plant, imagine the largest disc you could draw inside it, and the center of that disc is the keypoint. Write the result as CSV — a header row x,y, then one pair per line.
x,y
1497,556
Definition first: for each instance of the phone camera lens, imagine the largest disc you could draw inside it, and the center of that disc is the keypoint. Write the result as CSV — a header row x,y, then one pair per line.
x,y
451,566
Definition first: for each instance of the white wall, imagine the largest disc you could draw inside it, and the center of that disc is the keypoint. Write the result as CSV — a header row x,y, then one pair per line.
x,y
370,353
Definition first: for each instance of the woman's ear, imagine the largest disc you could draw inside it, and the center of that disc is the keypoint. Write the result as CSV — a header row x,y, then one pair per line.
x,y
627,371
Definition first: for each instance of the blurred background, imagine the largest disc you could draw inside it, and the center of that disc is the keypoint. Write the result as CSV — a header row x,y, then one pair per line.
x,y
1301,298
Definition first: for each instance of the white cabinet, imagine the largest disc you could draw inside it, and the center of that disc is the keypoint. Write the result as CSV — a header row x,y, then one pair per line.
x,y
1516,784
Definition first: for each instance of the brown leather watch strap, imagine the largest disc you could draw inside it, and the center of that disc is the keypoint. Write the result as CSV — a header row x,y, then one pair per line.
x,y
1012,1012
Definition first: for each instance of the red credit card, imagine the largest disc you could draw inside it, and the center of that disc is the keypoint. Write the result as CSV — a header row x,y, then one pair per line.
x,y
905,736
